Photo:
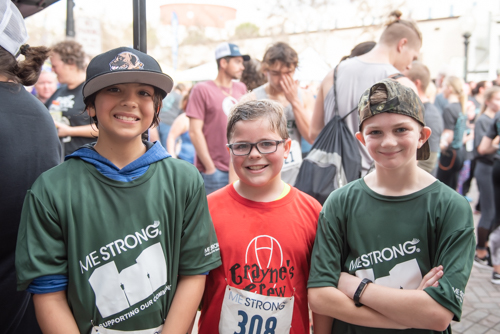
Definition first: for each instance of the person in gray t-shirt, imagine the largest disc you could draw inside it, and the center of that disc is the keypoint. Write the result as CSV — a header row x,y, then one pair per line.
x,y
169,111
420,75
398,46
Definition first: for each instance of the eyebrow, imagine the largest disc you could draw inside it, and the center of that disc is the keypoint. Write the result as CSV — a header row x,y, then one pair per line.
x,y
394,126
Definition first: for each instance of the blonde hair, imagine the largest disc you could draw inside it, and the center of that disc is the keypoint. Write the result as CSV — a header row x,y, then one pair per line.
x,y
457,85
488,95
252,110
397,28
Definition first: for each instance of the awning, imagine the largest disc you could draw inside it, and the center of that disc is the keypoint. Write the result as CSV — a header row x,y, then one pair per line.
x,y
30,7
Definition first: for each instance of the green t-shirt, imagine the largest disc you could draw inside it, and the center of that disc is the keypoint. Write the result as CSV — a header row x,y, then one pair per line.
x,y
122,245
395,241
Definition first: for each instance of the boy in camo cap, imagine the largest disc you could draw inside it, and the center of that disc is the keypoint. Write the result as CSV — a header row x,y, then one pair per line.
x,y
398,228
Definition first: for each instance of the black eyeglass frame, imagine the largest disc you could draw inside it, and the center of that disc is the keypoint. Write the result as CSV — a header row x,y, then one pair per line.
x,y
277,142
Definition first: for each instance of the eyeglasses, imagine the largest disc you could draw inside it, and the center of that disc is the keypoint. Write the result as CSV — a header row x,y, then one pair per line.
x,y
264,147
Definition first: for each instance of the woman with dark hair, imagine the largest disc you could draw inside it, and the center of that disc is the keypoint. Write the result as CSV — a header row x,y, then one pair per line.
x,y
29,147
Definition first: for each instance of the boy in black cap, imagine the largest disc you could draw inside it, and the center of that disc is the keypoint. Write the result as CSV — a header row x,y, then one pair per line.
x,y
118,236
391,228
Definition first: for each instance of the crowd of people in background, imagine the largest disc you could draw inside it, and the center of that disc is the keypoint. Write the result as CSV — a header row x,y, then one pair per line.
x,y
193,126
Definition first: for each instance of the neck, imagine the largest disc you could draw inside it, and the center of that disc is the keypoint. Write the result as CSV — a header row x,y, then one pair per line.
x,y
223,80
405,180
76,80
3,78
422,96
120,153
266,193
453,98
490,113
379,54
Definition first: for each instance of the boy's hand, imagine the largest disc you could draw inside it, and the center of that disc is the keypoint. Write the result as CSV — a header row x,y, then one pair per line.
x,y
290,88
348,284
432,277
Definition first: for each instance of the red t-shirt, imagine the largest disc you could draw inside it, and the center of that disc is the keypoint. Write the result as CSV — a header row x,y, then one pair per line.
x,y
208,103
247,229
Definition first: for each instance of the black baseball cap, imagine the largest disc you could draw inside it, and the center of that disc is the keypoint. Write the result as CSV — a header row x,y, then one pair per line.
x,y
125,65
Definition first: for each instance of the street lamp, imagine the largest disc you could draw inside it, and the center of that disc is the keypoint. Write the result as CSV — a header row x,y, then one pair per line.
x,y
467,24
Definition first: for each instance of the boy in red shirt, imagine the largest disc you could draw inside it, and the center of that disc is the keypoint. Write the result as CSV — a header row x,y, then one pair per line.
x,y
265,229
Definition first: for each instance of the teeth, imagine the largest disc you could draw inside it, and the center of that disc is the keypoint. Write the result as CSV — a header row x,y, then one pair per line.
x,y
126,118
256,167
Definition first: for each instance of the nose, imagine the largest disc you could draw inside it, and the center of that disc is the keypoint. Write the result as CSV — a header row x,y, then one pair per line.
x,y
389,140
254,153
129,99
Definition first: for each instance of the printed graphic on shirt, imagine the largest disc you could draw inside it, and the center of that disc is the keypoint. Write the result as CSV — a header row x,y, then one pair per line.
x,y
403,275
228,103
265,269
116,291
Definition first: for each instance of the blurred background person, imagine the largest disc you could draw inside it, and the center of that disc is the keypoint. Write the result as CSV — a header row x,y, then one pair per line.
x,y
398,46
170,109
45,86
467,173
478,93
483,174
66,104
279,64
29,147
451,143
252,75
179,143
420,75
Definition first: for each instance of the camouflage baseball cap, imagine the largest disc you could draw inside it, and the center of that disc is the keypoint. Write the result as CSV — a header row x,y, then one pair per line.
x,y
400,100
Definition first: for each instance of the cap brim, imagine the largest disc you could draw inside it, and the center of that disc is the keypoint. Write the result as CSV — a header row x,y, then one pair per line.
x,y
156,79
424,152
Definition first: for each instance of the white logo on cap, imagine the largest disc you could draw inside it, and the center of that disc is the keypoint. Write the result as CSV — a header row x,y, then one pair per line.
x,y
126,61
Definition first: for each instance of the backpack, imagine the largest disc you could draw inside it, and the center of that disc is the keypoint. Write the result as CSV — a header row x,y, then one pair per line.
x,y
334,159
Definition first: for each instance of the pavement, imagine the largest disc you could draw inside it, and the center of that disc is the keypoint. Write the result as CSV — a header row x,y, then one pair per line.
x,y
481,308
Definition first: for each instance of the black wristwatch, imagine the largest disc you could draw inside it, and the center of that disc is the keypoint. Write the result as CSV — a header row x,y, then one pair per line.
x,y
360,290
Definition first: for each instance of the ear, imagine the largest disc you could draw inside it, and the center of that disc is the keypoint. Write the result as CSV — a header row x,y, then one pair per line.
x,y
403,42
91,111
425,133
359,136
288,147
223,63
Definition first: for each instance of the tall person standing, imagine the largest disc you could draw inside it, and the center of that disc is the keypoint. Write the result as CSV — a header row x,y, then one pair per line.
x,y
66,104
398,46
29,148
208,107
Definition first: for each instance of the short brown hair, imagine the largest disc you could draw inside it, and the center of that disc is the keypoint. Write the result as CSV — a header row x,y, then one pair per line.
x,y
419,71
281,52
397,28
252,110
71,53
157,103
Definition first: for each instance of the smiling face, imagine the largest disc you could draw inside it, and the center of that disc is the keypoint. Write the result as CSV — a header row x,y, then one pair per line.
x,y
123,111
392,140
256,169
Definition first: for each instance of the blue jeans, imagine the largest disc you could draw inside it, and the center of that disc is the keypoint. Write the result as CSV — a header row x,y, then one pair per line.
x,y
215,181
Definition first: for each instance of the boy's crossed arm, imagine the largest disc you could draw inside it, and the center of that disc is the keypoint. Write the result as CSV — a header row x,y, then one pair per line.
x,y
384,307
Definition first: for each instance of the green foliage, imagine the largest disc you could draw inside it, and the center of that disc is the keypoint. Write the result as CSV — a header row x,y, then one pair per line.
x,y
246,30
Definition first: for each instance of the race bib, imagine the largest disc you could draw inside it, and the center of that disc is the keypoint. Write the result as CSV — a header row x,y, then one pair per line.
x,y
295,157
102,330
245,312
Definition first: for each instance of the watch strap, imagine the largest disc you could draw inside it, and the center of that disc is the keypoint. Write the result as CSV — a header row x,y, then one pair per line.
x,y
359,291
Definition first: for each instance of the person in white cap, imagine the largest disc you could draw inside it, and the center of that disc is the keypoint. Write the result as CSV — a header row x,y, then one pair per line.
x,y
208,107
29,147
